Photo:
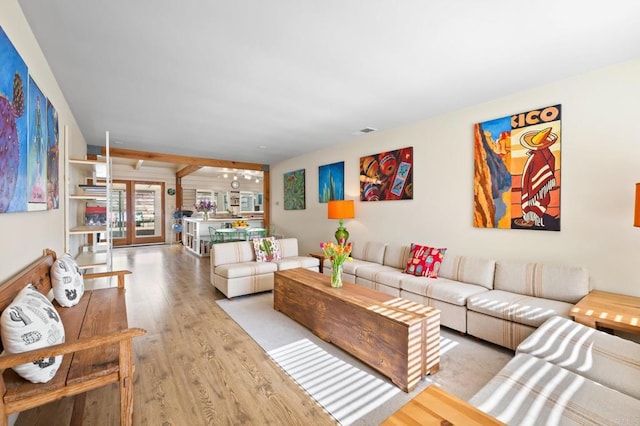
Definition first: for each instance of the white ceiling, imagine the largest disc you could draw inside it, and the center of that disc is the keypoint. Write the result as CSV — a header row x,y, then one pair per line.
x,y
262,81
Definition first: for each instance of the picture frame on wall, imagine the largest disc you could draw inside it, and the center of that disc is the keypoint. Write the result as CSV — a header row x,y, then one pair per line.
x,y
36,149
331,182
517,171
13,104
294,190
387,176
53,157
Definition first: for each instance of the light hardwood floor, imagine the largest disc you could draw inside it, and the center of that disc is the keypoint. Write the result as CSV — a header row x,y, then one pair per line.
x,y
195,366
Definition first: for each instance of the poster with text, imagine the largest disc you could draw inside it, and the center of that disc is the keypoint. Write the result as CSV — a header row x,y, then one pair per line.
x,y
517,171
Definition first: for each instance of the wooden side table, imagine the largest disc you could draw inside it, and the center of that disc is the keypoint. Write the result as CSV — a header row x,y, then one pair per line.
x,y
321,257
601,309
434,406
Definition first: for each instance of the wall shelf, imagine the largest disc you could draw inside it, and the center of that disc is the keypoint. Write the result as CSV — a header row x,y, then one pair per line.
x,y
92,243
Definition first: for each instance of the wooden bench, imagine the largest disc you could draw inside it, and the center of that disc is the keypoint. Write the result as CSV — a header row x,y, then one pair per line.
x,y
97,350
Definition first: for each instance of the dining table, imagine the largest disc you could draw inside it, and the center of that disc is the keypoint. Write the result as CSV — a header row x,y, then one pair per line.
x,y
226,235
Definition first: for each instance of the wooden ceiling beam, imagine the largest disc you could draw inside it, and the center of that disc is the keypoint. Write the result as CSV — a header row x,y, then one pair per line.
x,y
187,171
182,159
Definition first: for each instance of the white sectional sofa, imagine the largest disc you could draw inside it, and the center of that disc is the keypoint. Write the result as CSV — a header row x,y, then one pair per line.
x,y
499,301
235,272
565,373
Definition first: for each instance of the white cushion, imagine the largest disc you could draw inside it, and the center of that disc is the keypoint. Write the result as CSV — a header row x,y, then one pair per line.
x,y
245,269
468,269
369,251
298,262
532,311
550,281
530,391
288,247
601,357
396,256
31,322
67,281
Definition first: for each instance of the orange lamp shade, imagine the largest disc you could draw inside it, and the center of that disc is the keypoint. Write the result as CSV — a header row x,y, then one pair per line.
x,y
636,217
342,209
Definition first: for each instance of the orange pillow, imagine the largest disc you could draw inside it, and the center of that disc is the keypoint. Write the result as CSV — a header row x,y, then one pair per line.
x,y
424,261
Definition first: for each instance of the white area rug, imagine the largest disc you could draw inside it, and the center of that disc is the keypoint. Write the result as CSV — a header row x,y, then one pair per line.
x,y
348,389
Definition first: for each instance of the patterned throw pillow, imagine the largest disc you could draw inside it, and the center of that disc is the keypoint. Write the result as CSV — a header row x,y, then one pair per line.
x,y
424,261
31,322
267,249
67,281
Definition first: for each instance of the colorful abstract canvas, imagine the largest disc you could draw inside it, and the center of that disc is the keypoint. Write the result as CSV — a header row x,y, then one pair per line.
x,y
387,176
37,149
53,158
517,171
294,194
13,128
331,182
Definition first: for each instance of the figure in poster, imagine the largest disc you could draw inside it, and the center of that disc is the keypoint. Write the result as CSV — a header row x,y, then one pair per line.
x,y
53,197
538,177
517,169
10,142
37,191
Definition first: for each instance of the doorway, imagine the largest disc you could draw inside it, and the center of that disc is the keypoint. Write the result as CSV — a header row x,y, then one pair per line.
x,y
143,222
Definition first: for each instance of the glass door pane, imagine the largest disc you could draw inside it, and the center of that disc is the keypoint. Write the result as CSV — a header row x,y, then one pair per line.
x,y
148,203
144,222
119,213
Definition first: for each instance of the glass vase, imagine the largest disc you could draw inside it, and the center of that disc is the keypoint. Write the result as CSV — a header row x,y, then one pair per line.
x,y
336,276
205,216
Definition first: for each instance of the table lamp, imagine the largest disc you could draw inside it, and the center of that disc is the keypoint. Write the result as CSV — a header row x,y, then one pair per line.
x,y
341,209
636,217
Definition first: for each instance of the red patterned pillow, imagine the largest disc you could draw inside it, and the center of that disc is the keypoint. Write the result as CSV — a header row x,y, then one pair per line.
x,y
424,261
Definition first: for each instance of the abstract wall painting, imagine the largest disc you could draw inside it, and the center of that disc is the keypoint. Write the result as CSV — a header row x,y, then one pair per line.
x,y
37,149
53,158
387,176
294,194
517,171
13,128
331,182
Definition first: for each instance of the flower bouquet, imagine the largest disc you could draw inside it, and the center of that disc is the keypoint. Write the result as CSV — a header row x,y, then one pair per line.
x,y
337,255
204,207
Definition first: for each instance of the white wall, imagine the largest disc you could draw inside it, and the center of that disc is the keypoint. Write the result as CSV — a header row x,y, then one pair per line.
x,y
25,235
600,165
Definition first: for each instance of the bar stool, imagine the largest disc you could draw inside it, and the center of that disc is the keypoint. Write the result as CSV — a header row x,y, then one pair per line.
x,y
256,233
214,237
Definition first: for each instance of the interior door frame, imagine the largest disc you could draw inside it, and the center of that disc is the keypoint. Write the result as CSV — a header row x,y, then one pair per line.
x,y
130,237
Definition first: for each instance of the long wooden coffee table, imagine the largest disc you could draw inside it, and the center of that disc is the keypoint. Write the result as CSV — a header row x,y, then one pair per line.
x,y
397,337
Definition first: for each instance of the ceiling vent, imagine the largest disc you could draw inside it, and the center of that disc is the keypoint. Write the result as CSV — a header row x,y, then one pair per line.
x,y
365,131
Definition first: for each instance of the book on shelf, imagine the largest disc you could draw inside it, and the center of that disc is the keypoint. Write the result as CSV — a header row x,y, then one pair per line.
x,y
93,189
95,215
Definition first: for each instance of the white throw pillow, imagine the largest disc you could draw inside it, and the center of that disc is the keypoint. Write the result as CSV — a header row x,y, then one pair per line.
x,y
67,281
31,322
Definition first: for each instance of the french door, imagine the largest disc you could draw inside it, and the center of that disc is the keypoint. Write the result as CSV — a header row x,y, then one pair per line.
x,y
137,212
